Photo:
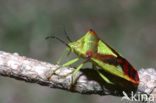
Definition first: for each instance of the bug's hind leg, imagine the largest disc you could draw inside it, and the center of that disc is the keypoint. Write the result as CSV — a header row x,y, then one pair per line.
x,y
102,76
64,65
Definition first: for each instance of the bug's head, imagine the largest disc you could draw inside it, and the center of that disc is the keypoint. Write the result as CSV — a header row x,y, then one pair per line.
x,y
74,46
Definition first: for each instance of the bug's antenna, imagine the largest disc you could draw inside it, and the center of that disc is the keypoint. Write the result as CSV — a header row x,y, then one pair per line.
x,y
54,37
66,34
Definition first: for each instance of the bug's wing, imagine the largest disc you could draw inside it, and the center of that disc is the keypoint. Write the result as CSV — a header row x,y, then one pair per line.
x,y
111,61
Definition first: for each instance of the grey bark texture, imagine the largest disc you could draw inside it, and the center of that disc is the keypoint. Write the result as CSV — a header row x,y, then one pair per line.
x,y
87,81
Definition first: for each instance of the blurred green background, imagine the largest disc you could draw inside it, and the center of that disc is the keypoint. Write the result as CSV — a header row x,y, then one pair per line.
x,y
129,26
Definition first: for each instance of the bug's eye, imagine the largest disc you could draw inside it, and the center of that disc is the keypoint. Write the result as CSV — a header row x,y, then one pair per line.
x,y
88,54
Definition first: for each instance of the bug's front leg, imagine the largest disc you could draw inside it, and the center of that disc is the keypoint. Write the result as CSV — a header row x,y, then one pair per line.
x,y
64,65
64,52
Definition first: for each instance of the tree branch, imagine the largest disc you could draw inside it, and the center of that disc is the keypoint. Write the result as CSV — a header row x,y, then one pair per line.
x,y
87,80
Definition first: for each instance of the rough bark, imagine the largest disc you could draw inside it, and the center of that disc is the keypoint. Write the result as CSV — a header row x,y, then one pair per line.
x,y
87,80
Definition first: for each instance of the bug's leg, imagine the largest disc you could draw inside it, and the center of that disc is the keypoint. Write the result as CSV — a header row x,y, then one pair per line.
x,y
64,65
103,77
69,51
74,73
94,66
58,62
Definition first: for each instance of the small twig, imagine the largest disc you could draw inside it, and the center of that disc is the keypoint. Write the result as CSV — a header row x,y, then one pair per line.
x,y
34,71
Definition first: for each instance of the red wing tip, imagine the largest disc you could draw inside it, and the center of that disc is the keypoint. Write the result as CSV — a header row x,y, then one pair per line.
x,y
91,31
